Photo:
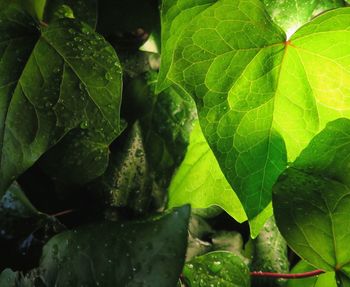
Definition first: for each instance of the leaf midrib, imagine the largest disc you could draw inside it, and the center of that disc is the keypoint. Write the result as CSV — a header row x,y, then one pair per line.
x,y
78,76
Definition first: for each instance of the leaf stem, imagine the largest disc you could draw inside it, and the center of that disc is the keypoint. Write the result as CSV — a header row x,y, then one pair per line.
x,y
58,214
287,275
44,24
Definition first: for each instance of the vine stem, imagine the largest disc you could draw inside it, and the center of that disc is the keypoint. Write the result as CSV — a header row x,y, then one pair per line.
x,y
286,275
63,213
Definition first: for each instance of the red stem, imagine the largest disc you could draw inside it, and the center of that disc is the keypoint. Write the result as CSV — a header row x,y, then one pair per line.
x,y
285,275
63,213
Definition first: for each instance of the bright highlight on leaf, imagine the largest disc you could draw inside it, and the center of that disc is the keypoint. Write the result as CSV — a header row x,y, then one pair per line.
x,y
311,200
199,180
260,98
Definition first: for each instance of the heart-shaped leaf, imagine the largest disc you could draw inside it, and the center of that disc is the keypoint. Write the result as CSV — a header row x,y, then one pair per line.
x,y
311,200
61,81
245,77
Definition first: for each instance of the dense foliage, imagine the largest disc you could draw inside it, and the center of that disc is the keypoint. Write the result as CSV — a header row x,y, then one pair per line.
x,y
174,143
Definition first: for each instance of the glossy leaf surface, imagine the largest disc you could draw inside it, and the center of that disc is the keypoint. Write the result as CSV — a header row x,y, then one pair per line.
x,y
217,269
66,86
245,78
270,254
144,253
292,14
312,200
322,280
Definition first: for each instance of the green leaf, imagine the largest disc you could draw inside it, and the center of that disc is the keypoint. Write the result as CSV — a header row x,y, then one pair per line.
x,y
199,180
82,10
324,5
175,17
148,253
270,254
198,231
230,241
166,128
8,278
69,87
244,76
217,269
311,200
323,280
127,181
290,15
18,216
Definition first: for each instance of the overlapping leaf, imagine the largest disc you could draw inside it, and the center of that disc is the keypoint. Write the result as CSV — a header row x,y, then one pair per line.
x,y
112,254
218,268
311,200
270,254
199,180
260,98
323,280
63,80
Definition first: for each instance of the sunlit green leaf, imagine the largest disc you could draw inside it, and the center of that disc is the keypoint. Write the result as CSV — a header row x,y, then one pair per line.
x,y
323,280
292,14
311,200
246,77
199,180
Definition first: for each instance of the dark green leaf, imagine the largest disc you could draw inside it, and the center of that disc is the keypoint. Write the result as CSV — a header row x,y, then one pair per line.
x,y
127,181
70,87
199,230
84,10
8,278
217,269
311,200
149,253
18,216
166,128
323,280
270,254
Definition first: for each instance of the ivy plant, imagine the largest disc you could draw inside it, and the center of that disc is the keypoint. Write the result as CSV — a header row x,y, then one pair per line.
x,y
174,143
